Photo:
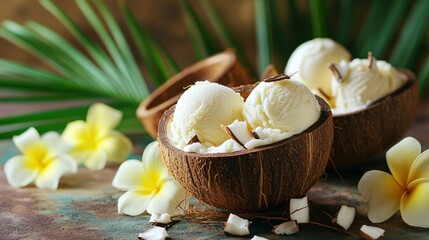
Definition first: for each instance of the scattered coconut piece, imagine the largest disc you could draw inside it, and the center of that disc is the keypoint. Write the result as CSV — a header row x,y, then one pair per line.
x,y
155,233
237,226
288,228
164,218
258,238
255,135
371,233
194,139
239,131
345,216
372,61
278,77
299,211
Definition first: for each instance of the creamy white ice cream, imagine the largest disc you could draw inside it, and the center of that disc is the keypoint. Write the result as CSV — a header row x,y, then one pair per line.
x,y
278,110
311,60
362,84
201,111
286,105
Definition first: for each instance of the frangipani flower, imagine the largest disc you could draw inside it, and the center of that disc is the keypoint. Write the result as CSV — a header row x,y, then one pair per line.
x,y
43,161
149,186
95,141
407,189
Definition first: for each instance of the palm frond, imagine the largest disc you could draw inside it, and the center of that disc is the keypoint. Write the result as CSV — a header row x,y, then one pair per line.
x,y
204,42
408,47
263,35
160,68
319,18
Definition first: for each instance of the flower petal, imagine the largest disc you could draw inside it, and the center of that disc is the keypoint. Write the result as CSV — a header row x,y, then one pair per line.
x,y
129,175
420,167
75,132
27,140
96,160
117,146
55,144
400,158
50,176
18,174
170,199
383,194
134,202
415,207
103,117
152,160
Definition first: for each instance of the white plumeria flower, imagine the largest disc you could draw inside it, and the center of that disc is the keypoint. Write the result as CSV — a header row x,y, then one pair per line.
x,y
43,161
149,186
407,189
95,141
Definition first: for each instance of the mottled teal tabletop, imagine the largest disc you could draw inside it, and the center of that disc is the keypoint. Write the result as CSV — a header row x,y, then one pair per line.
x,y
84,206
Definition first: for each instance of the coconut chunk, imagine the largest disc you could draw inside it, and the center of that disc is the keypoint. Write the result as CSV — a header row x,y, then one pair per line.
x,y
239,131
258,238
345,216
237,226
286,228
299,211
371,233
155,233
164,218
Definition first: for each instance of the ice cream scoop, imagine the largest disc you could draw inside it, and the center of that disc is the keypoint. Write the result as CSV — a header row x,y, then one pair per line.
x,y
286,105
311,59
361,82
200,113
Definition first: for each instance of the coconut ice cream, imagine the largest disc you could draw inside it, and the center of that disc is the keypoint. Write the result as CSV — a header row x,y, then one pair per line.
x,y
276,110
210,118
357,84
311,59
200,113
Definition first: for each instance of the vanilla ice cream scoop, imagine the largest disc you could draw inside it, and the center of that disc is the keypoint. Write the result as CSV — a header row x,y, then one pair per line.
x,y
201,111
286,105
361,82
311,60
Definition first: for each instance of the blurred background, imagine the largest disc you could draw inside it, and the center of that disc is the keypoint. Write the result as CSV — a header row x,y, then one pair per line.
x,y
261,31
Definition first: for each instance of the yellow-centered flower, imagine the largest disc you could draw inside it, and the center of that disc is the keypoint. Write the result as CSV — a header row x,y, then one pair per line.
x,y
149,186
95,141
407,189
43,161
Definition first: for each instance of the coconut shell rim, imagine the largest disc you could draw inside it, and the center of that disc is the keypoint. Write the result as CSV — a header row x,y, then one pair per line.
x,y
325,113
144,110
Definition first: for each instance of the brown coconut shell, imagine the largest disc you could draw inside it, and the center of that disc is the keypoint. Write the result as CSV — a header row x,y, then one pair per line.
x,y
256,180
222,68
361,135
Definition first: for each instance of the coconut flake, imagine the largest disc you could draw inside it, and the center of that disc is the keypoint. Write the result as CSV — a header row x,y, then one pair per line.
x,y
239,132
155,233
237,226
258,238
164,218
299,211
288,228
345,216
371,233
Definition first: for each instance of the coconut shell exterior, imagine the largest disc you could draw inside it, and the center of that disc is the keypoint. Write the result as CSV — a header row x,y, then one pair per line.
x,y
367,133
256,180
223,68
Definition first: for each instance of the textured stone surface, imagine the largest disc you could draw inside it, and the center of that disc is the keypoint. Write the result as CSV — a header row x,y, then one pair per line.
x,y
84,206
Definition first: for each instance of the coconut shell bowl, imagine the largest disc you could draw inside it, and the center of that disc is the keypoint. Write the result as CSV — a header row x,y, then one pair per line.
x,y
223,68
362,135
257,180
